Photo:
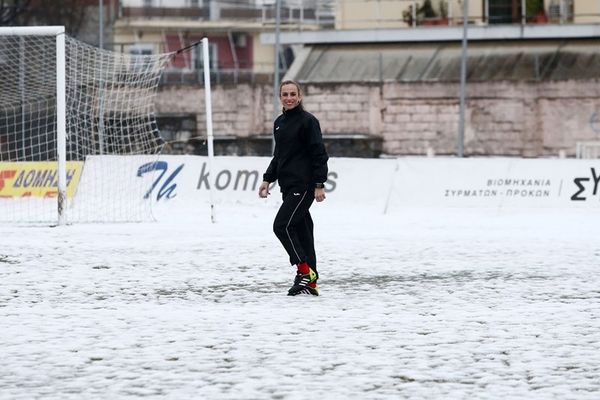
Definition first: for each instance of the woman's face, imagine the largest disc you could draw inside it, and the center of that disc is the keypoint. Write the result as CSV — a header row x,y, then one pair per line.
x,y
289,96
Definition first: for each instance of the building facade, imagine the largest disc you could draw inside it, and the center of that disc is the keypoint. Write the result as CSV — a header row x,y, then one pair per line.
x,y
381,75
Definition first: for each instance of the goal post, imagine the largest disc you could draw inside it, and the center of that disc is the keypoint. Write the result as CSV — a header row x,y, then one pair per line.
x,y
56,32
61,124
74,121
209,122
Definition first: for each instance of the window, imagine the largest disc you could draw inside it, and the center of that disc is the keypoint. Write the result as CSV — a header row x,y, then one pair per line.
x,y
137,51
240,40
199,58
141,49
504,11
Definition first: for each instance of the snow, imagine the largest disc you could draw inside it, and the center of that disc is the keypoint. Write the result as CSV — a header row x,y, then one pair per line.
x,y
419,304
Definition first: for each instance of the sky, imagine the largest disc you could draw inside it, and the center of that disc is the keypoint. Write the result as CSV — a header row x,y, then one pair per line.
x,y
418,304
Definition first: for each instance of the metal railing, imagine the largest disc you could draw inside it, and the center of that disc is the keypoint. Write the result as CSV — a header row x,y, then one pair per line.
x,y
301,13
373,14
218,76
244,71
587,149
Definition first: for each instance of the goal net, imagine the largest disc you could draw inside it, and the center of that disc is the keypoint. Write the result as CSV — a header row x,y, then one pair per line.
x,y
75,121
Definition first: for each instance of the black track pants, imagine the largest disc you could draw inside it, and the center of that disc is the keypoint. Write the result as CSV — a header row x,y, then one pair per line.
x,y
293,226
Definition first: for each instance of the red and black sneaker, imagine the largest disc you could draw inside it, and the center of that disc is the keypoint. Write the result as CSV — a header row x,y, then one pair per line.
x,y
305,281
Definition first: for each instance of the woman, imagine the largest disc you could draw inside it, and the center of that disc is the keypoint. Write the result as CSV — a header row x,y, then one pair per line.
x,y
300,165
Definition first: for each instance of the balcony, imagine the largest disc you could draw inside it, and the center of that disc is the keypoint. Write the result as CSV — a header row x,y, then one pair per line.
x,y
164,12
300,14
377,14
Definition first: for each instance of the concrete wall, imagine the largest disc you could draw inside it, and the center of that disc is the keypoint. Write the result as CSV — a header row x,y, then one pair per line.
x,y
528,119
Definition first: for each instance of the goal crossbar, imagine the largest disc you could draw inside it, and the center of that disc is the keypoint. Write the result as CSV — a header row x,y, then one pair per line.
x,y
31,30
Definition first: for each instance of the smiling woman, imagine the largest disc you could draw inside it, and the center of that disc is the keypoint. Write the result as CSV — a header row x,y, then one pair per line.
x,y
299,164
290,96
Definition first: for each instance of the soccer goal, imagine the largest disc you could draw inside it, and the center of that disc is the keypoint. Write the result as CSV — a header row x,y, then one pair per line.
x,y
74,121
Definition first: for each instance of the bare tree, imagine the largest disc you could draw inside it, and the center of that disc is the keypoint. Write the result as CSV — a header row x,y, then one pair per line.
x,y
10,10
70,13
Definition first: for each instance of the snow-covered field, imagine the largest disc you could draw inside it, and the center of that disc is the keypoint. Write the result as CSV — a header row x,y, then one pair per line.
x,y
422,304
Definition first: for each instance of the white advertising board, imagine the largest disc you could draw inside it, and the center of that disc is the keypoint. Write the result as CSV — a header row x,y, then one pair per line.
x,y
180,184
496,182
186,181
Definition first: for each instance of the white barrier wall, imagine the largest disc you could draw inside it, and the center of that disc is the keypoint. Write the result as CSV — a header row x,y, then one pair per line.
x,y
181,184
496,183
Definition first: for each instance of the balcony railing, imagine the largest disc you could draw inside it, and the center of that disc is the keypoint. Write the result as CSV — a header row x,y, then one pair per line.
x,y
164,12
313,13
218,76
373,14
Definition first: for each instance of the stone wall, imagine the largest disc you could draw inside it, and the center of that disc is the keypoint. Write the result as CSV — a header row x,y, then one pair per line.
x,y
529,119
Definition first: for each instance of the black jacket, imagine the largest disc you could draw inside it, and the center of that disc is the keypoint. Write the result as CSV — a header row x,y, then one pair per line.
x,y
300,159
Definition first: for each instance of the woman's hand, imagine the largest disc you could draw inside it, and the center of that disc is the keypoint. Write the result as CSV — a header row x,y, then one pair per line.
x,y
263,190
319,194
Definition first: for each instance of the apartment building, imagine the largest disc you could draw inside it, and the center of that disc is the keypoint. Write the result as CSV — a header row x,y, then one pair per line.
x,y
234,27
359,14
392,67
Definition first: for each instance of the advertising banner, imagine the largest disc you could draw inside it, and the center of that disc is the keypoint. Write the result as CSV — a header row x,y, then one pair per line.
x,y
186,185
187,181
36,179
496,182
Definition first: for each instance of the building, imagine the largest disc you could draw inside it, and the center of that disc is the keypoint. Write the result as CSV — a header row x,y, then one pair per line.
x,y
381,75
233,29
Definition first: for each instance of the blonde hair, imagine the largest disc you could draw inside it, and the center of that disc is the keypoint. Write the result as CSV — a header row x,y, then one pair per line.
x,y
290,82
